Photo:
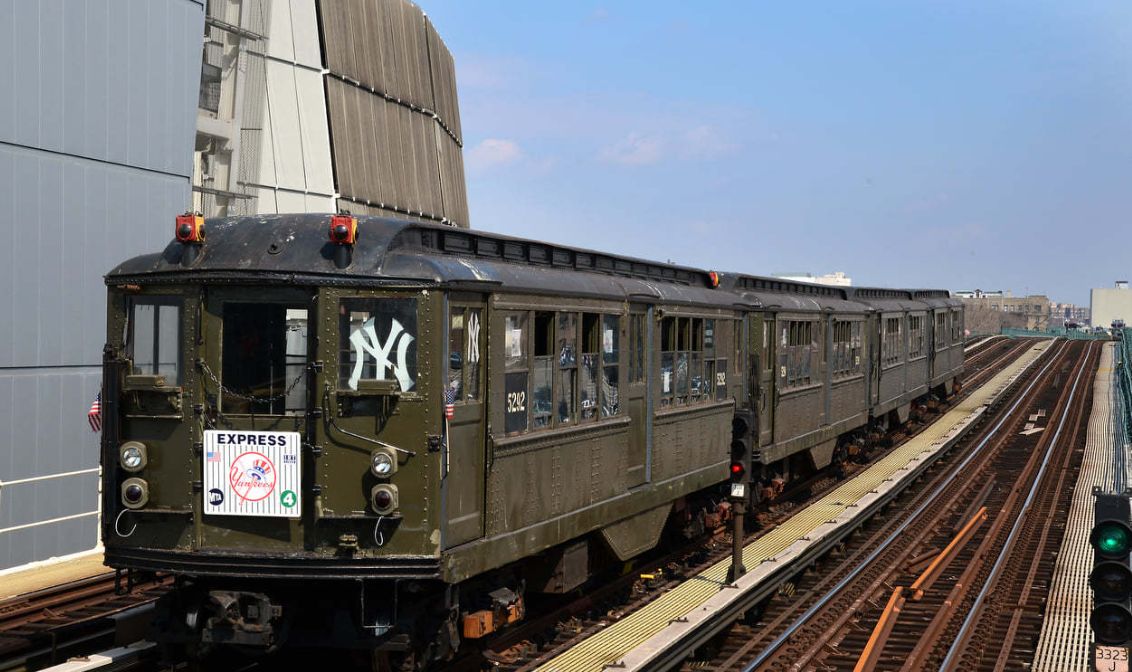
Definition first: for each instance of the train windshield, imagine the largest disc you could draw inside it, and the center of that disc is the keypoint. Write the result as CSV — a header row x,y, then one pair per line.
x,y
264,358
378,341
153,337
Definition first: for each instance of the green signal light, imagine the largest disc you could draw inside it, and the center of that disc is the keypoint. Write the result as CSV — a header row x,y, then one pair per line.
x,y
1111,539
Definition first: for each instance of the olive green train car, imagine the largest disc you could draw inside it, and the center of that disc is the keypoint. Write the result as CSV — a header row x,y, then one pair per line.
x,y
380,434
400,428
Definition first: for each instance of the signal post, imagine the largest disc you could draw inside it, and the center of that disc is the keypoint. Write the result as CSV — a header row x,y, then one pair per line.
x,y
741,444
1111,580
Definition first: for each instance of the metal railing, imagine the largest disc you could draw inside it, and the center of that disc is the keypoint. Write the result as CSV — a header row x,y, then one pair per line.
x,y
1071,334
1123,366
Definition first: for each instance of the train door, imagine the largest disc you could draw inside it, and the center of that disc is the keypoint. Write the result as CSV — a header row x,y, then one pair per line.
x,y
768,390
874,345
464,446
635,390
256,352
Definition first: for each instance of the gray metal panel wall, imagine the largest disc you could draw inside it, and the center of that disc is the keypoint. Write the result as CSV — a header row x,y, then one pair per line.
x,y
394,120
97,119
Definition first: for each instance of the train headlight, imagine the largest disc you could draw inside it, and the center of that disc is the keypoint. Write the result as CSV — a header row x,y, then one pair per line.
x,y
135,493
383,498
132,456
382,463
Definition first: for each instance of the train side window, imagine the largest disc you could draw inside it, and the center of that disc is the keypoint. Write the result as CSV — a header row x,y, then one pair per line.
x,y
473,354
800,347
516,373
710,363
542,371
377,339
464,354
610,354
264,358
567,366
667,360
940,330
589,366
892,342
956,327
915,336
636,347
456,355
154,337
683,335
855,347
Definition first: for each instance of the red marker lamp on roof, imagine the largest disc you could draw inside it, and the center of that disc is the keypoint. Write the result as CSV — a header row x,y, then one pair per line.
x,y
343,229
189,228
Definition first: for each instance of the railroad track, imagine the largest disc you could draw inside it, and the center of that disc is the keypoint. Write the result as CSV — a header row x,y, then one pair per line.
x,y
526,647
48,626
935,556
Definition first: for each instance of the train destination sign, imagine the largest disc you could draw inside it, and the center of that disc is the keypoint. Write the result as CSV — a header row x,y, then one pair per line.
x,y
250,473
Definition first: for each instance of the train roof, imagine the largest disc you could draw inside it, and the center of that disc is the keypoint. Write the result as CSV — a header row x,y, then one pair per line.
x,y
297,248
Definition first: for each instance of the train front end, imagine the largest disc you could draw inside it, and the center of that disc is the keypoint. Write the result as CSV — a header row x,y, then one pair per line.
x,y
271,434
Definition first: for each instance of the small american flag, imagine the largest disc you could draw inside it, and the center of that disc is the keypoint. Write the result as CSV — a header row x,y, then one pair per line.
x,y
212,456
94,415
449,403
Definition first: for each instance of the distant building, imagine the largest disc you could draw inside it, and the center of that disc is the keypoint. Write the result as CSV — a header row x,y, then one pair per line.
x,y
837,278
988,312
1110,304
1068,313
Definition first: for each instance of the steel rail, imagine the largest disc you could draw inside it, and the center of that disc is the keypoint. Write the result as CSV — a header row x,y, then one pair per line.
x,y
1004,553
825,599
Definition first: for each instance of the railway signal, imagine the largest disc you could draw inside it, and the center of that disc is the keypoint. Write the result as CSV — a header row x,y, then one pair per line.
x,y
742,439
1111,578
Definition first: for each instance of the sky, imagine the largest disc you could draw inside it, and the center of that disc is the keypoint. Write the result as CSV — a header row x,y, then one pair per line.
x,y
958,144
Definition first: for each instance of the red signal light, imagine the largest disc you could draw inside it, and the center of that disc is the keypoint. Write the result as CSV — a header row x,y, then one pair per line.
x,y
737,469
189,228
343,229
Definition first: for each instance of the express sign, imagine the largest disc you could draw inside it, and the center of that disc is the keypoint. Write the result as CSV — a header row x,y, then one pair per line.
x,y
249,473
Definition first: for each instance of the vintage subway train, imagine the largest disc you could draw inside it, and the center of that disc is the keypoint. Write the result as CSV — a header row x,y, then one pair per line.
x,y
377,433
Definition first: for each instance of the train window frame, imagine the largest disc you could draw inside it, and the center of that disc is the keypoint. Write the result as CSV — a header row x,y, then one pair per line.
x,y
471,378
542,358
609,397
799,348
566,347
846,348
294,384
916,336
638,333
345,347
158,302
892,343
516,373
700,358
941,330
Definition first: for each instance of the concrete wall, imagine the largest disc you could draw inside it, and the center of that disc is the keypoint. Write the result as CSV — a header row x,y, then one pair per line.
x,y
1111,304
97,116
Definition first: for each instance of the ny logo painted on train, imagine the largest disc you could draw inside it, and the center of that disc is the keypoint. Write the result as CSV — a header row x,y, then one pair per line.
x,y
474,337
366,341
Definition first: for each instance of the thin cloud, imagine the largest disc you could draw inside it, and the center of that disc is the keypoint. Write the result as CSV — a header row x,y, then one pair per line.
x,y
492,153
707,142
634,149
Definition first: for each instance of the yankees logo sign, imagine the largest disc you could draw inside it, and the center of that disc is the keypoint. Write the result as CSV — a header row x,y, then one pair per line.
x,y
252,473
366,342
